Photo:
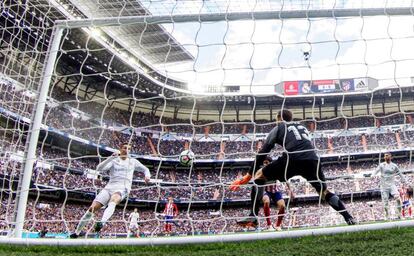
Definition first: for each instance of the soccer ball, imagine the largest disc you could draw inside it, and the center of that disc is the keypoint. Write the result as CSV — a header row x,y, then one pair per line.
x,y
186,157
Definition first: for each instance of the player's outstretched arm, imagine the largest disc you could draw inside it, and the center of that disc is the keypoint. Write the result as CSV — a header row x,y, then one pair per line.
x,y
139,167
403,179
235,185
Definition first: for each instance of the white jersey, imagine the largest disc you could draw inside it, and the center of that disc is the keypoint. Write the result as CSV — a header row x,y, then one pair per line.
x,y
134,217
388,171
121,171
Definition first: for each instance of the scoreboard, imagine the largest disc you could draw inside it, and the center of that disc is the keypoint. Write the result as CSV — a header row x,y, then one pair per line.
x,y
327,86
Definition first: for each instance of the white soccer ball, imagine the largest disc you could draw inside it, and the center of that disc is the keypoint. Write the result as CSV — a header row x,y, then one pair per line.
x,y
186,157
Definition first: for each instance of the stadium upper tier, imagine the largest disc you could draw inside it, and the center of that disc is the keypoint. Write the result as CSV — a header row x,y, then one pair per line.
x,y
150,45
154,135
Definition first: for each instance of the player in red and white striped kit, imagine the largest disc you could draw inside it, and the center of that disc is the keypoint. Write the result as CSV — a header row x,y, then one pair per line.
x,y
170,211
273,192
405,195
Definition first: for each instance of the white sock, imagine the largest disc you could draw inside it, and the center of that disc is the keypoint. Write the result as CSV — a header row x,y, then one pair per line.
x,y
108,212
399,208
84,221
387,214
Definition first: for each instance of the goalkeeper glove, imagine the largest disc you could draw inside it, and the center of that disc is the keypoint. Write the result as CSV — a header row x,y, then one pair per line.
x,y
236,184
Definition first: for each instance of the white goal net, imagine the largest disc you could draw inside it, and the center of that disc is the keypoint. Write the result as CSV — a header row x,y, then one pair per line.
x,y
81,78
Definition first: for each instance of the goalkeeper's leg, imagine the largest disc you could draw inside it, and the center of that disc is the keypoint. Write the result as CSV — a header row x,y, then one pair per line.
x,y
317,179
276,170
336,203
256,197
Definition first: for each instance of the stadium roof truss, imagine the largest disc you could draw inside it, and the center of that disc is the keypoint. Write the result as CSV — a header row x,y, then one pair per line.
x,y
136,19
149,41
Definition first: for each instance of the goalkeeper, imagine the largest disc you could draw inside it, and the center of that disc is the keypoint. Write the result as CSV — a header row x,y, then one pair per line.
x,y
120,167
299,158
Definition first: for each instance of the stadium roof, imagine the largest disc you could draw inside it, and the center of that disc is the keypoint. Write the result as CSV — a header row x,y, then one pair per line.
x,y
148,41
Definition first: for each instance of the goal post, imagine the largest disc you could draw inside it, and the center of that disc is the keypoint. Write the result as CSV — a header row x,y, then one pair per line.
x,y
31,155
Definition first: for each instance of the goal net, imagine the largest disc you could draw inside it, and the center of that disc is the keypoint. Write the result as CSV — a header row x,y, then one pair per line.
x,y
81,78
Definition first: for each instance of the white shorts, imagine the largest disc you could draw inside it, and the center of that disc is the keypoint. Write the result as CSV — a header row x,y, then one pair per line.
x,y
105,195
133,225
389,191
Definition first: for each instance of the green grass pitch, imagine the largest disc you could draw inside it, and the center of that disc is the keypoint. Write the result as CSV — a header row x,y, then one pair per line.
x,y
381,242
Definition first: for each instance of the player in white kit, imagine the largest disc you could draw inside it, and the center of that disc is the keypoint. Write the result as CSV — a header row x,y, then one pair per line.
x,y
133,223
120,167
388,170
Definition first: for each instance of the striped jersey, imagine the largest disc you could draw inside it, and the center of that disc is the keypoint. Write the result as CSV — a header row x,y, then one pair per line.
x,y
274,187
404,195
170,209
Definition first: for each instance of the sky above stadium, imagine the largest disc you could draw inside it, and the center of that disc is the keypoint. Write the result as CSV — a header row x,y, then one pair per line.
x,y
265,52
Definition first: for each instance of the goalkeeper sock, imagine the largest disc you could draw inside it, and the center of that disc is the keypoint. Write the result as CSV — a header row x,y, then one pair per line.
x,y
266,210
84,221
108,212
336,203
399,208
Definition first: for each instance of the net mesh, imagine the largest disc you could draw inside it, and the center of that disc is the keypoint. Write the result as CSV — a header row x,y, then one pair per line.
x,y
211,87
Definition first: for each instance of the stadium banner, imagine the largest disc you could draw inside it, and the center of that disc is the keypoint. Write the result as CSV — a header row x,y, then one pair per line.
x,y
361,84
347,85
291,87
324,86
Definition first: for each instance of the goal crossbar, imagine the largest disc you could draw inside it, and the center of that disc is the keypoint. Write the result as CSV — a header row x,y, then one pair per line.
x,y
214,17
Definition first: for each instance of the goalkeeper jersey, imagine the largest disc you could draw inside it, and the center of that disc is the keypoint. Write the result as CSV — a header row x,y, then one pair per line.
x,y
294,137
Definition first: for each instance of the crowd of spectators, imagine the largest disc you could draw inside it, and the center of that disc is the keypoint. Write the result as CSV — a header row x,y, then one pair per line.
x,y
76,174
96,125
98,113
15,99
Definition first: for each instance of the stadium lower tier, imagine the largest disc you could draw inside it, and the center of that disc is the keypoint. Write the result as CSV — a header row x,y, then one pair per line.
x,y
66,184
60,219
191,185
